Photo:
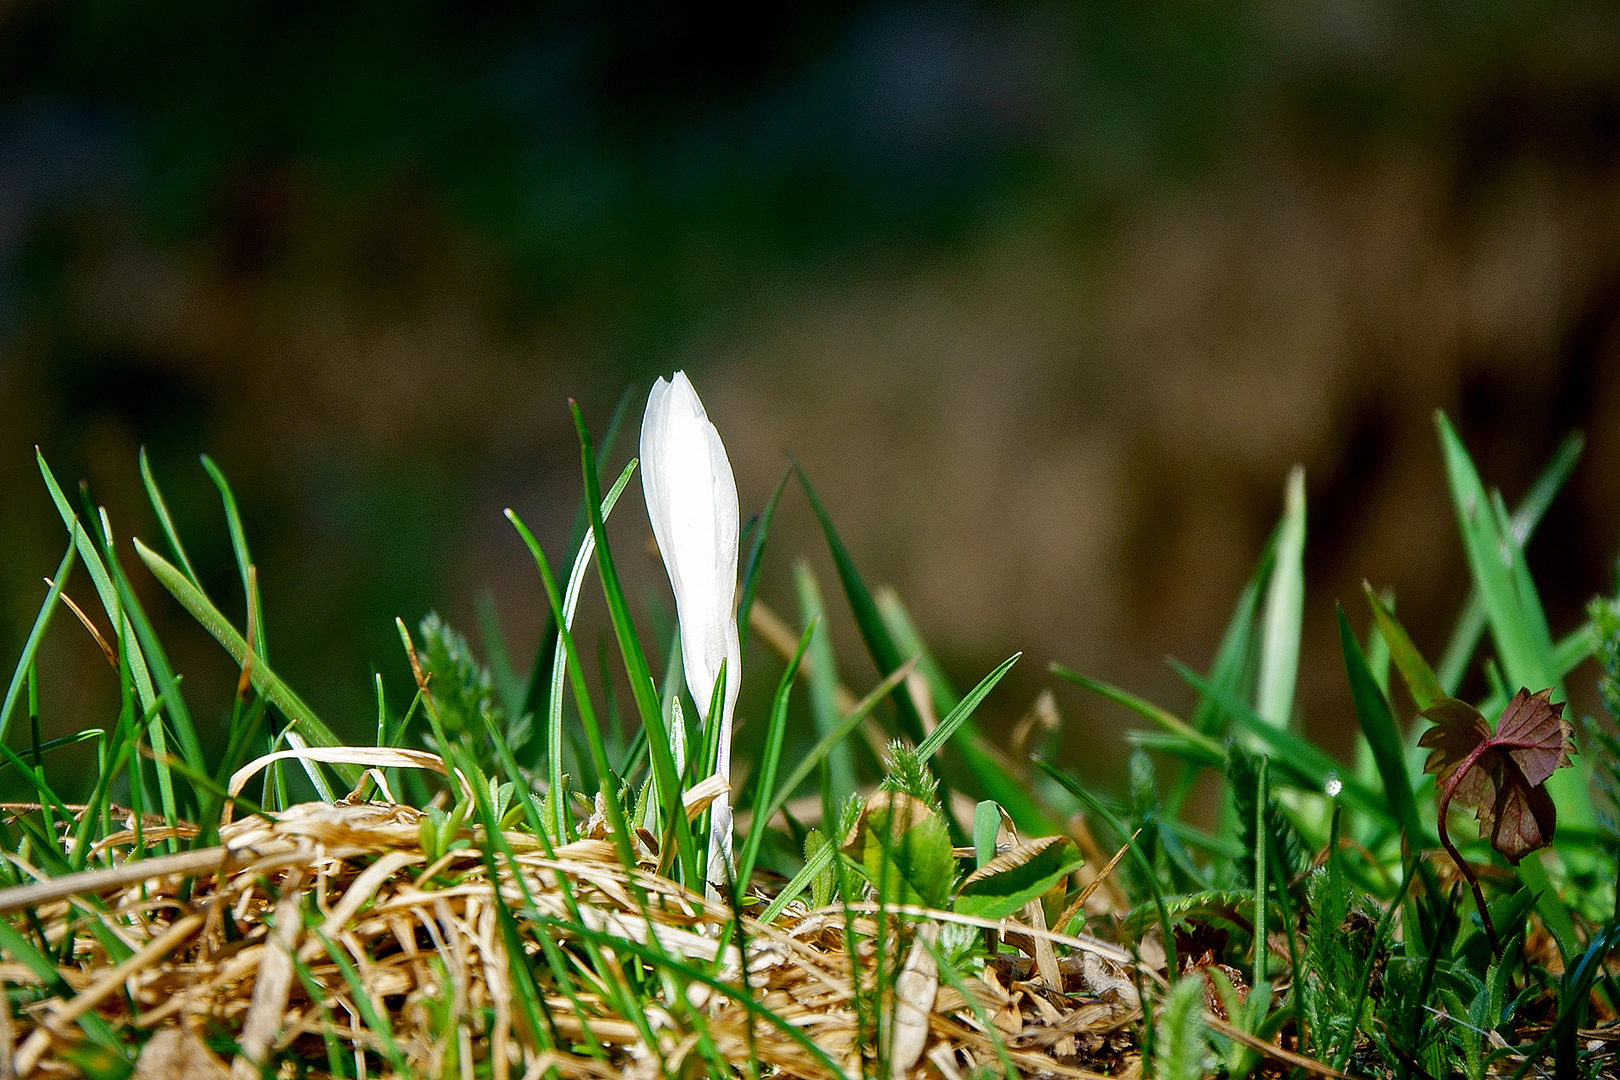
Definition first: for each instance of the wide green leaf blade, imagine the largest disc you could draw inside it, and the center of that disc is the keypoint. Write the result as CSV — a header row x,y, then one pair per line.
x,y
1378,725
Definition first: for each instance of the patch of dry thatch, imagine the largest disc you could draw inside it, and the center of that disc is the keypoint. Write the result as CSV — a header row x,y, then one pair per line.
x,y
241,945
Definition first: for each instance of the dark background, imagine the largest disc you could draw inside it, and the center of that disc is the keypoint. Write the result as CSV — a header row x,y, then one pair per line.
x,y
1046,298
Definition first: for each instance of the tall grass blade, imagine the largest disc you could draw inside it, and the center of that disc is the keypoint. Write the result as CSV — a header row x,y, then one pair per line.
x,y
1419,678
554,701
1285,610
36,633
1465,637
838,768
244,559
1518,624
265,681
867,617
635,663
982,764
1384,739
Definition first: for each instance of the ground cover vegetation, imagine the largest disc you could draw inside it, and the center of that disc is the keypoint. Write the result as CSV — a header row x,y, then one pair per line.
x,y
529,878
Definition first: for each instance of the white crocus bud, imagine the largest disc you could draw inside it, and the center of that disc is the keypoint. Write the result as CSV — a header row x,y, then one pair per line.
x,y
692,502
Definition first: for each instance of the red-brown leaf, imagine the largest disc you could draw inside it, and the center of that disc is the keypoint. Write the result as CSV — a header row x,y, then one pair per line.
x,y
1535,735
1500,774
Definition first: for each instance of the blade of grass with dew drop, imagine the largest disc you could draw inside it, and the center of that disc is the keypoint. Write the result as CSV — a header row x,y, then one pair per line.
x,y
867,618
264,680
838,768
1097,807
756,557
1285,610
1383,738
635,662
1471,624
36,634
981,763
1311,767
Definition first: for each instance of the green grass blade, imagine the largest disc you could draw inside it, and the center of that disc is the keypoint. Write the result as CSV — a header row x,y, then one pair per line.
x,y
635,663
1490,560
36,633
964,709
112,603
867,617
1311,767
1285,610
1097,807
982,763
1518,624
769,760
264,680
554,701
160,507
811,761
1420,679
756,556
910,643
539,670
1203,744
839,772
1378,725
813,867
244,559
1465,637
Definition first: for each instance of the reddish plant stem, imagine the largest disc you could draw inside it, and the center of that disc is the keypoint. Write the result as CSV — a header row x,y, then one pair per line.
x,y
1442,810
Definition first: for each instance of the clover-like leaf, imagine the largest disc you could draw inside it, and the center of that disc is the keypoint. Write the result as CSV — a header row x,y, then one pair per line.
x,y
1500,774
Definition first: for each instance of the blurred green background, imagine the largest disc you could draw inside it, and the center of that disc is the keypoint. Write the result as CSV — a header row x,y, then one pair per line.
x,y
1046,297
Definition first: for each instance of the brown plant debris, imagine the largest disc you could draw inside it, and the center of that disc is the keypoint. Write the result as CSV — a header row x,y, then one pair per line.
x,y
324,934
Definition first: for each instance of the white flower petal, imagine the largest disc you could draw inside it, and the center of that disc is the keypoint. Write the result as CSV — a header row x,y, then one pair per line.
x,y
692,503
